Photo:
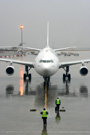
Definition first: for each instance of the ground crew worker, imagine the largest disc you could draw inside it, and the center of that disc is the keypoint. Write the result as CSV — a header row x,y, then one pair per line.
x,y
44,114
58,103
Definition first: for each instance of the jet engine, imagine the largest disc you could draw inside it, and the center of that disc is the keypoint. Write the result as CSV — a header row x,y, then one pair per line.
x,y
83,70
10,70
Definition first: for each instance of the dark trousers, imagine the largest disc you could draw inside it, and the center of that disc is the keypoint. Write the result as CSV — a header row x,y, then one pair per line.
x,y
57,107
44,120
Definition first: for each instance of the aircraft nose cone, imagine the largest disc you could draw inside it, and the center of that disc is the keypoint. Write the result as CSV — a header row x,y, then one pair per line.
x,y
46,71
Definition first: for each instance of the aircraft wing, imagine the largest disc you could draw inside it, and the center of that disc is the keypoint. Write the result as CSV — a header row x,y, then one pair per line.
x,y
25,63
65,49
8,48
5,48
70,63
21,49
31,50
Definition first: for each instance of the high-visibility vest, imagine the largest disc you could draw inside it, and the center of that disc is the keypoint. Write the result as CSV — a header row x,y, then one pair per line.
x,y
58,101
44,113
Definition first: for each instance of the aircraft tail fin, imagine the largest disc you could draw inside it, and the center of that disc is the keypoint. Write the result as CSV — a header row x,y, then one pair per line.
x,y
47,34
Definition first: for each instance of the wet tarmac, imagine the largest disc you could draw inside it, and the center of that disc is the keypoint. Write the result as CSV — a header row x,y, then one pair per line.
x,y
18,97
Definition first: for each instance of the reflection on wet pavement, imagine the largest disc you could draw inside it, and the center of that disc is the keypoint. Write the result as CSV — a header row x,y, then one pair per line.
x,y
84,91
27,89
21,81
58,117
9,89
44,131
34,97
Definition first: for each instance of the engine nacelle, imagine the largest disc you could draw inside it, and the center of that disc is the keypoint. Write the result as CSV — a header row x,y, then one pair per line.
x,y
83,70
10,70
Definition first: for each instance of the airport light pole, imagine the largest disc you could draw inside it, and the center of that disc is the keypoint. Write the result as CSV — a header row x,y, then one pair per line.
x,y
21,27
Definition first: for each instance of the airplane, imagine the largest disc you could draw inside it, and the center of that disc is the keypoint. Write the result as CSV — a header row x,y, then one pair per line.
x,y
46,63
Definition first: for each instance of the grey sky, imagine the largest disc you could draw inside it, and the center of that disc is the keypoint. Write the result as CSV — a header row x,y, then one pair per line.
x,y
69,22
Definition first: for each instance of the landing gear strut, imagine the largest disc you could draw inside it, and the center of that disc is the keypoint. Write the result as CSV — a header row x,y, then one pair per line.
x,y
46,81
27,75
66,76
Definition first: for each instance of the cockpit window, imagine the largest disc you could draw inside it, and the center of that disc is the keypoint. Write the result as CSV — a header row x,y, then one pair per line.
x,y
46,61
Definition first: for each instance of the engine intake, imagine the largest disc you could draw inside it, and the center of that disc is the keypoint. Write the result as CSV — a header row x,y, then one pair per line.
x,y
10,70
83,70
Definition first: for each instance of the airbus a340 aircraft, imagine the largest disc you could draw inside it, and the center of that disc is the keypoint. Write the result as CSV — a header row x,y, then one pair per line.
x,y
46,63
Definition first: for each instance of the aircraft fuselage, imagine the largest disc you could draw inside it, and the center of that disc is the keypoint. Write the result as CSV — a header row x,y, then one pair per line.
x,y
46,63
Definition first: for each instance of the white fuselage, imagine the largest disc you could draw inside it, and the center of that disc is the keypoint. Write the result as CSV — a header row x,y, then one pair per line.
x,y
46,63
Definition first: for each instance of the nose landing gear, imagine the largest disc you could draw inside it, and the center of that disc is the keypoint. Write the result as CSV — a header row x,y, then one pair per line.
x,y
46,81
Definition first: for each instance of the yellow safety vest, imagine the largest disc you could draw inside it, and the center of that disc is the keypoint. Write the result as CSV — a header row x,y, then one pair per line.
x,y
44,113
58,101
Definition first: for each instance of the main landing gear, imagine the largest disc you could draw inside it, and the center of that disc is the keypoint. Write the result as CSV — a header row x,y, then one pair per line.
x,y
67,76
27,76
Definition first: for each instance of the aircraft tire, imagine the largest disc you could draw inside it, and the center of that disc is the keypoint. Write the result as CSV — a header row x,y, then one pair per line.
x,y
29,77
64,76
69,77
24,77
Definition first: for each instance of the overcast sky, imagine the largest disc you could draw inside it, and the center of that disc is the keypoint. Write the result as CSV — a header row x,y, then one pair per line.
x,y
69,22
